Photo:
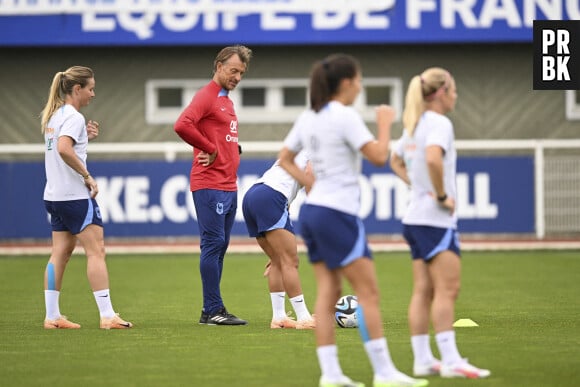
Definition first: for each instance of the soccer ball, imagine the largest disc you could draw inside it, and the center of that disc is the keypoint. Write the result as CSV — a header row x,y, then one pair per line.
x,y
345,312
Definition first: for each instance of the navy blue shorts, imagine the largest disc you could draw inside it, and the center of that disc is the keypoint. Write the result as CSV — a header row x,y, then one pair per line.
x,y
73,215
265,209
333,237
427,241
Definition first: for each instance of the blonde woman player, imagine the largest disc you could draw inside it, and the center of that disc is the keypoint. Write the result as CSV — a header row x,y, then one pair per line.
x,y
69,196
336,138
425,158
266,212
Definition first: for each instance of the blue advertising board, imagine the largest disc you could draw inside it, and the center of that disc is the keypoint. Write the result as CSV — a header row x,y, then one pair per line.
x,y
255,22
152,198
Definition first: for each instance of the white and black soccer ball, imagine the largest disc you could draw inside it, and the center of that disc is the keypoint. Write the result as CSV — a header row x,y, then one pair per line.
x,y
345,312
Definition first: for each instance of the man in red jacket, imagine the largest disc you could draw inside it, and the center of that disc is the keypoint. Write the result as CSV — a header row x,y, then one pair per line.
x,y
209,124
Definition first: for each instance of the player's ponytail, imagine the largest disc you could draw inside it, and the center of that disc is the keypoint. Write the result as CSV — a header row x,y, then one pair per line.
x,y
422,89
62,85
414,106
326,76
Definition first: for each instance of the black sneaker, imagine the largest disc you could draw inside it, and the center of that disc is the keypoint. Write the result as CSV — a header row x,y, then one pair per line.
x,y
204,317
224,318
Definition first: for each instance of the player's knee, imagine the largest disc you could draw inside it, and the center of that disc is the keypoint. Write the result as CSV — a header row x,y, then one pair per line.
x,y
423,290
452,291
289,262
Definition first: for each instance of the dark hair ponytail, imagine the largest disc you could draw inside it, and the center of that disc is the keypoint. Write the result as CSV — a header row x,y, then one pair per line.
x,y
326,75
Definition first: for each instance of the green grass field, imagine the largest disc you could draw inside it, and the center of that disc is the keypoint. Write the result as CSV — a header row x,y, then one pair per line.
x,y
526,304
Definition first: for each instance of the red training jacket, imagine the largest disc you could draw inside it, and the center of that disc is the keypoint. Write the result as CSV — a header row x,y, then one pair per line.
x,y
208,124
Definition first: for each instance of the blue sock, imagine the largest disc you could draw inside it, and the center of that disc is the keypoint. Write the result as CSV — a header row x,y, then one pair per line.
x,y
362,326
50,277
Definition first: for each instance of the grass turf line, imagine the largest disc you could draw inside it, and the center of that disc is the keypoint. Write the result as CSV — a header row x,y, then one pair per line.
x,y
526,303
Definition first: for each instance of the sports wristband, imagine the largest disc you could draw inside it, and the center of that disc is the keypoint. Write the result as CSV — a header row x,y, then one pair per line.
x,y
442,198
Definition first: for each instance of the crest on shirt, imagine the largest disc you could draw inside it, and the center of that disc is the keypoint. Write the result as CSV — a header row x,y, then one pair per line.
x,y
234,126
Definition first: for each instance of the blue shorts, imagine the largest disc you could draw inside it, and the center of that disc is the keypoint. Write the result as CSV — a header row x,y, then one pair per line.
x,y
333,237
73,215
265,209
427,241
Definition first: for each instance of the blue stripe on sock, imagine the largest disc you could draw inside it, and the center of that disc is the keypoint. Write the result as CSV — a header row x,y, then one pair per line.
x,y
362,326
50,277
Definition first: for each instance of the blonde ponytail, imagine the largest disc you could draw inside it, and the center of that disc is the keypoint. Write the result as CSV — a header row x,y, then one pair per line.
x,y
54,101
414,106
422,89
62,85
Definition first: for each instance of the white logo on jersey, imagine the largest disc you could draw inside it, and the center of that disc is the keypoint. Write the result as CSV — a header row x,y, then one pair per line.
x,y
234,126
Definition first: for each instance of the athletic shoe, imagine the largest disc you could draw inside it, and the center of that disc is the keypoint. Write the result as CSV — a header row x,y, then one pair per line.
x,y
344,382
306,324
285,322
115,322
204,317
430,369
400,380
463,369
224,318
60,323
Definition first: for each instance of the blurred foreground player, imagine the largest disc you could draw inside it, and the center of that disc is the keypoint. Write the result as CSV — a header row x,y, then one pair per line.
x,y
336,138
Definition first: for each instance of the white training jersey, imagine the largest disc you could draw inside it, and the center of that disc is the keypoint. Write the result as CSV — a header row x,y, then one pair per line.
x,y
332,138
277,178
62,182
423,209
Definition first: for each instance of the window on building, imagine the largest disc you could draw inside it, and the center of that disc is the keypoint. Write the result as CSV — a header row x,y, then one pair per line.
x,y
295,96
378,95
573,104
253,96
264,100
169,97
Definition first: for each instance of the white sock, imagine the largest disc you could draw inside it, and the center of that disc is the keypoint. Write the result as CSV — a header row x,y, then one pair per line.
x,y
328,361
51,304
278,305
447,347
103,299
421,349
378,353
299,305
